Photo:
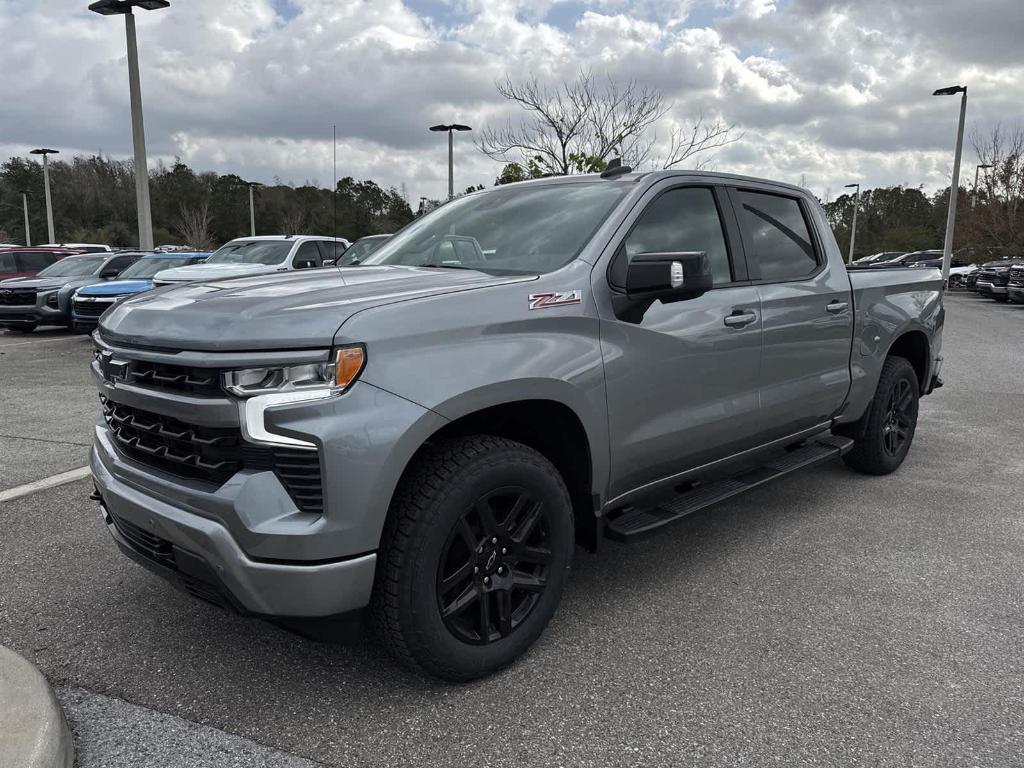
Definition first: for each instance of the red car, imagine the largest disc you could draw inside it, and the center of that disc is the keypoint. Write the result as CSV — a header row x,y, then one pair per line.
x,y
26,262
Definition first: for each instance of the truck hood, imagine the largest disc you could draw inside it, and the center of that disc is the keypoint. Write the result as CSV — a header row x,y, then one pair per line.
x,y
213,272
116,288
295,310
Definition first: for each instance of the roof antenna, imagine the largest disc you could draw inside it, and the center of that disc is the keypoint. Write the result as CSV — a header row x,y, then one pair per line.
x,y
615,168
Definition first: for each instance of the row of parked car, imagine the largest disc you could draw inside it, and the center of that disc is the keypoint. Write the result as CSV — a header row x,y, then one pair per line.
x,y
1001,279
73,284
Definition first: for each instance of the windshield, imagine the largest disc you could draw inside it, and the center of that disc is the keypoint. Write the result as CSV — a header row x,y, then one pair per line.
x,y
251,252
517,230
360,251
73,266
149,267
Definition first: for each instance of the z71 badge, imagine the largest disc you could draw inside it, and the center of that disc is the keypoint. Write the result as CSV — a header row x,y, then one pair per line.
x,y
548,300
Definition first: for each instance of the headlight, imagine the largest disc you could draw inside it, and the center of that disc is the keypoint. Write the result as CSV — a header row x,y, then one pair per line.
x,y
334,375
51,300
263,388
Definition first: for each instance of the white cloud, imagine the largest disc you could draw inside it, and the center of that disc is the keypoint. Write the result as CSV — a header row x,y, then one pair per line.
x,y
828,91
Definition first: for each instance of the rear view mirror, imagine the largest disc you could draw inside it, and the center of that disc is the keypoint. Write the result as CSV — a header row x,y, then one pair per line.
x,y
109,272
328,262
668,277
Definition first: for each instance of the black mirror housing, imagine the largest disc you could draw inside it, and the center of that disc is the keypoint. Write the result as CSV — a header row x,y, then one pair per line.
x,y
669,276
108,274
666,277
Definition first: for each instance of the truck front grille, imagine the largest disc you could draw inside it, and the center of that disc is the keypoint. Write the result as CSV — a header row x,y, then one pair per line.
x,y
194,381
17,297
210,454
91,308
1017,274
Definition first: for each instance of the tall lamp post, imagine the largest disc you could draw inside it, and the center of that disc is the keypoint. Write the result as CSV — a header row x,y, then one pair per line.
x,y
451,171
252,207
974,191
853,229
46,189
954,187
124,8
28,232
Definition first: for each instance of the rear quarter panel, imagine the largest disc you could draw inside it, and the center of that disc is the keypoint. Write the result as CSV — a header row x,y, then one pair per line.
x,y
889,302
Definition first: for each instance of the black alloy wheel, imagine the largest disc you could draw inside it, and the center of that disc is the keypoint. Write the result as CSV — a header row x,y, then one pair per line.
x,y
899,417
494,566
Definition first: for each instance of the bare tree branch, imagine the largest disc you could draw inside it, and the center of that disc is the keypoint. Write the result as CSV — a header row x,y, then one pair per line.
x,y
194,225
581,124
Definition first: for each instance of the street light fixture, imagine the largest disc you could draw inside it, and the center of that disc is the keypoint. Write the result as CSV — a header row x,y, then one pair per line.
x,y
124,8
853,229
46,189
974,191
451,171
28,232
954,187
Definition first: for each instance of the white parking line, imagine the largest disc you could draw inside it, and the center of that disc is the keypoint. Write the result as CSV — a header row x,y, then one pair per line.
x,y
41,485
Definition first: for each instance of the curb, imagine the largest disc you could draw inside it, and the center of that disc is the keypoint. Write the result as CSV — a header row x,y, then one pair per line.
x,y
35,733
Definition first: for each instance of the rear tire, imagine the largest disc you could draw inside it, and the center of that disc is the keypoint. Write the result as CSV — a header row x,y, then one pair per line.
x,y
474,554
887,431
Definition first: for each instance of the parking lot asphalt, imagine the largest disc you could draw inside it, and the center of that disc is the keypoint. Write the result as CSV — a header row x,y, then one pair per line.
x,y
47,402
826,619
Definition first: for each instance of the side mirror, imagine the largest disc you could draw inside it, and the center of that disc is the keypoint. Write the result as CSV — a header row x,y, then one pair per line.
x,y
667,277
109,273
328,262
310,264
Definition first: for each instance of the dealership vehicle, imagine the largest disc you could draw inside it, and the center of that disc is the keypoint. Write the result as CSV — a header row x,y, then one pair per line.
x,y
83,247
958,269
875,257
535,365
28,302
91,301
261,255
1015,283
993,279
360,249
22,261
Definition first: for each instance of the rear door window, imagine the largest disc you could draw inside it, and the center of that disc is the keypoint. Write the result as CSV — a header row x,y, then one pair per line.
x,y
777,236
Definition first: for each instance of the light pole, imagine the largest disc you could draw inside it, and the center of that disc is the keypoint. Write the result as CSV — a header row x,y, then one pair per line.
x,y
124,8
28,232
954,187
974,191
46,189
451,171
252,207
853,229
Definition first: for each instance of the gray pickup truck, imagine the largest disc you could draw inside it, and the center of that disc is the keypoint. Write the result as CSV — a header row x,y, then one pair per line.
x,y
429,435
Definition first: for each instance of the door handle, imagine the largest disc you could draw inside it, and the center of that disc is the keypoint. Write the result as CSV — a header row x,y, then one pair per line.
x,y
835,307
738,319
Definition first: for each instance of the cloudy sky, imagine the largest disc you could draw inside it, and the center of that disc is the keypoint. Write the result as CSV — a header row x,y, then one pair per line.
x,y
828,92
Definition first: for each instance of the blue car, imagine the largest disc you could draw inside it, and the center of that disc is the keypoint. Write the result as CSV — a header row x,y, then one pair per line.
x,y
93,300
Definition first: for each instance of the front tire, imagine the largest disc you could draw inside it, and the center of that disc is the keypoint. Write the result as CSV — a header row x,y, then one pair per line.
x,y
889,425
474,555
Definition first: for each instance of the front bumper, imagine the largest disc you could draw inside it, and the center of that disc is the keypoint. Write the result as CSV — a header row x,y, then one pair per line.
x,y
1015,292
200,555
991,289
32,314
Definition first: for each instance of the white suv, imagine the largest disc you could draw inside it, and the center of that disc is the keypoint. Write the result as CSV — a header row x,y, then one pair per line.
x,y
261,255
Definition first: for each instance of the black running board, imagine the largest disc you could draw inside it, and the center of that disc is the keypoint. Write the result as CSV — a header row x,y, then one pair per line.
x,y
631,523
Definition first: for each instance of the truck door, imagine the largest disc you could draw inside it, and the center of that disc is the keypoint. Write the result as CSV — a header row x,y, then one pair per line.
x,y
806,308
681,381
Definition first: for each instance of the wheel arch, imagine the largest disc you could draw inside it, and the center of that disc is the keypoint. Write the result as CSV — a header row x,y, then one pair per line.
x,y
552,427
913,346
